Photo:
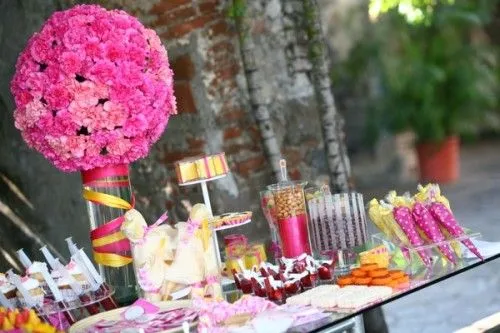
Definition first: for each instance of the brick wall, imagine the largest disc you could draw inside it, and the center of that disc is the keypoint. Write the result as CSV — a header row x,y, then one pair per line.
x,y
214,114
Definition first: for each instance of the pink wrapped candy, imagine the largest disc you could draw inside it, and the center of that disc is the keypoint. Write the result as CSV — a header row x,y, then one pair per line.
x,y
445,217
403,216
429,226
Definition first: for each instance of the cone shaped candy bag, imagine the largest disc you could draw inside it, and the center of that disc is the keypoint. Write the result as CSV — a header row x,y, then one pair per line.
x,y
432,193
444,216
404,218
440,209
429,226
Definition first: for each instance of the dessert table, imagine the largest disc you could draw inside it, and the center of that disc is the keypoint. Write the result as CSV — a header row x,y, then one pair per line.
x,y
352,321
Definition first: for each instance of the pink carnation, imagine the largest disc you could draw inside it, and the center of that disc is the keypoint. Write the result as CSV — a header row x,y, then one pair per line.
x,y
71,62
92,88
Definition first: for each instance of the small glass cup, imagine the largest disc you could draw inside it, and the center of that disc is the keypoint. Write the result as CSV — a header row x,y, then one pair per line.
x,y
269,210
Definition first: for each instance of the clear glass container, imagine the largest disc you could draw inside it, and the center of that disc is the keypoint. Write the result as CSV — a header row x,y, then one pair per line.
x,y
336,221
408,258
291,218
122,279
269,210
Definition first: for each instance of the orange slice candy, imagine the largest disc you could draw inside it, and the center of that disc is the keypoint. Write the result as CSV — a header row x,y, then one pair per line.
x,y
379,272
403,280
343,281
393,284
369,267
396,274
363,281
381,281
358,273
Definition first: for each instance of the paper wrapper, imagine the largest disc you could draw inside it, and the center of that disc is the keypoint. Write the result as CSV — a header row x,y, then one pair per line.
x,y
37,298
429,226
432,193
404,218
446,219
378,255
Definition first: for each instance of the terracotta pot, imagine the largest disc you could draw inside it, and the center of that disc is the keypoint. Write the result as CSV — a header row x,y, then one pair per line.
x,y
439,162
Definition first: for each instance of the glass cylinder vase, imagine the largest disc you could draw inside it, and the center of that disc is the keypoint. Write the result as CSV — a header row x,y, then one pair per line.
x,y
108,193
291,218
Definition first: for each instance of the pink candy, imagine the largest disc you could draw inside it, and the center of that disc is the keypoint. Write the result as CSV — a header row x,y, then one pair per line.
x,y
211,313
429,226
445,217
404,218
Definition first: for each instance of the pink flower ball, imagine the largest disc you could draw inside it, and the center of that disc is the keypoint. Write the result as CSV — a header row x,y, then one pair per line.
x,y
92,88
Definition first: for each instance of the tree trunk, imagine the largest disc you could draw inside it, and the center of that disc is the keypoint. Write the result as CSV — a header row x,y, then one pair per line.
x,y
258,104
331,121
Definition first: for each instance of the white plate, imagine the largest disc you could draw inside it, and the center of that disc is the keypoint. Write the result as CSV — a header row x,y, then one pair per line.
x,y
84,324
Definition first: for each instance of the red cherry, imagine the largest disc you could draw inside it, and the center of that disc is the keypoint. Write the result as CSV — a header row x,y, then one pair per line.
x,y
277,294
291,288
257,288
263,272
309,281
324,272
246,286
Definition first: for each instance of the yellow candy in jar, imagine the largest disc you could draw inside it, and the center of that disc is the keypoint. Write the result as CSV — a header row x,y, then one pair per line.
x,y
261,249
252,258
232,263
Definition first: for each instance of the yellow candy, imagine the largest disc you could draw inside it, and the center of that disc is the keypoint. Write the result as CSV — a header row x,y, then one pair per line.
x,y
44,328
431,192
7,325
374,213
388,217
11,316
33,318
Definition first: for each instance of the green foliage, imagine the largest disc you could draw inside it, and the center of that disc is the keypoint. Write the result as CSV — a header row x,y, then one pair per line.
x,y
237,9
436,77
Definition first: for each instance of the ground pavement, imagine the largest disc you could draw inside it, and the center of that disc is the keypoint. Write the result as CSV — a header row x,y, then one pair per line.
x,y
463,299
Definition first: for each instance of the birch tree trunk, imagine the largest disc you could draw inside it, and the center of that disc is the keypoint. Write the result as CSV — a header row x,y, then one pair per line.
x,y
258,103
331,121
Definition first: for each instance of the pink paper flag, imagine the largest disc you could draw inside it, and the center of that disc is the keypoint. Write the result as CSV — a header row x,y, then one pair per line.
x,y
429,226
445,217
403,216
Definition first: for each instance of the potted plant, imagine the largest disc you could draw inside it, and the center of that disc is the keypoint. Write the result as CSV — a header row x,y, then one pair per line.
x,y
437,79
435,74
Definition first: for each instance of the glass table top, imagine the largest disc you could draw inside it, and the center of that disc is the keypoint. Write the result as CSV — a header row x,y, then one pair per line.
x,y
418,281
